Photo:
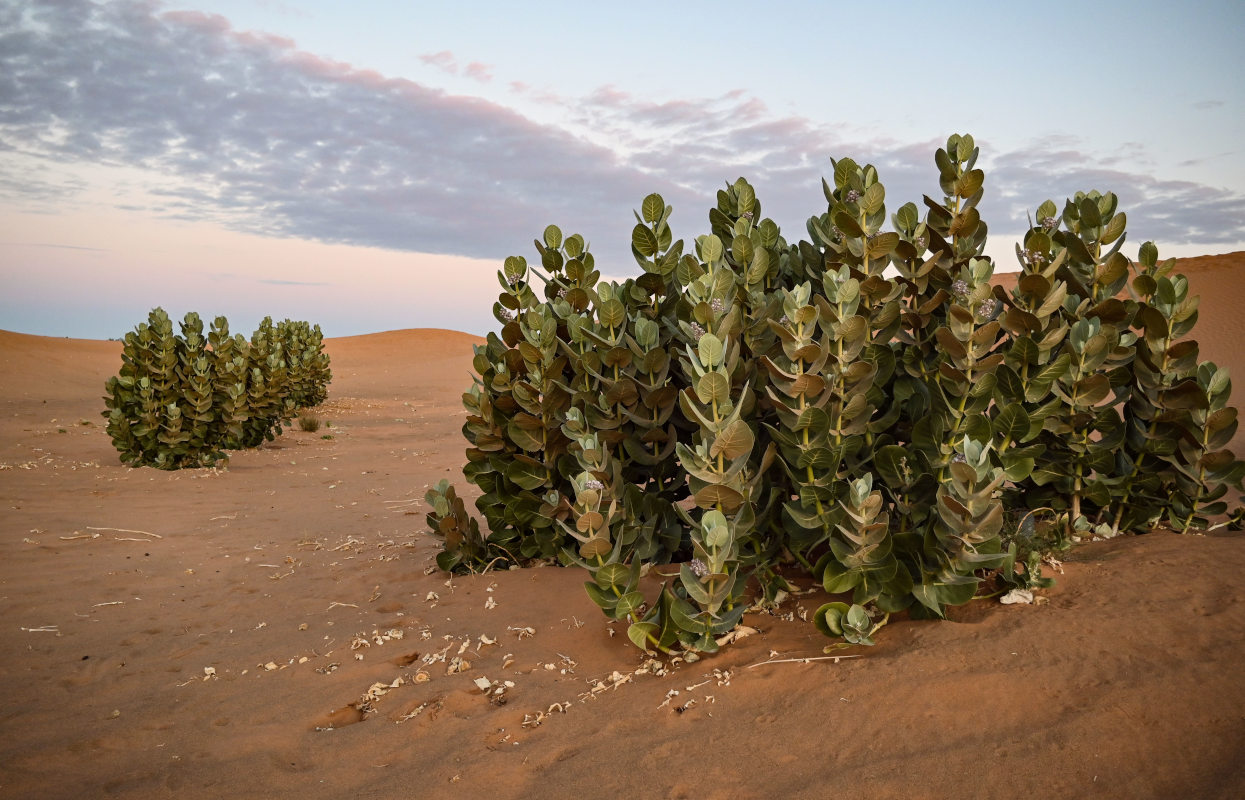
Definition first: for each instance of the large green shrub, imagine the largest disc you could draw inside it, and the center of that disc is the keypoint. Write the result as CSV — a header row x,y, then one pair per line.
x,y
182,401
865,403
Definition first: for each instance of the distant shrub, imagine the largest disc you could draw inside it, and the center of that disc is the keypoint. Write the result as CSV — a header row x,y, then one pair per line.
x,y
183,401
309,423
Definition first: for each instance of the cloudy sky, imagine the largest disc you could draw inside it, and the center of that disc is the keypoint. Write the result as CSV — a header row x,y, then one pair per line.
x,y
367,165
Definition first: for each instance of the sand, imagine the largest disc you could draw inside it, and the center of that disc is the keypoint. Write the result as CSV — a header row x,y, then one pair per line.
x,y
215,633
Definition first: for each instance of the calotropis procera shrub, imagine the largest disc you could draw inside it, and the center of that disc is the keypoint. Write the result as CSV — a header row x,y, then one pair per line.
x,y
866,405
182,401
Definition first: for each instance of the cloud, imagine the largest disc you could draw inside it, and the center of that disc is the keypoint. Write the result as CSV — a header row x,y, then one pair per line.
x,y
244,129
447,63
477,71
1165,211
443,61
1207,105
247,131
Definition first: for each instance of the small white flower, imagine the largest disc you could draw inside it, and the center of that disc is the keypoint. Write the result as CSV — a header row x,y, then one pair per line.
x,y
697,331
592,483
960,288
853,196
717,305
698,568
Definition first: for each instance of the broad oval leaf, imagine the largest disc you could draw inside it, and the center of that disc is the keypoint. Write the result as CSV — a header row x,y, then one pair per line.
x,y
644,241
713,387
652,208
710,349
734,441
713,494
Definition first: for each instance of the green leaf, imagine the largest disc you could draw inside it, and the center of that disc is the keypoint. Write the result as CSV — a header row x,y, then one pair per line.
x,y
606,601
644,241
1115,228
612,576
741,250
829,619
873,199
848,225
527,473
640,632
837,578
710,349
652,208
713,387
1013,423
628,604
906,218
1017,469
816,420
713,494
970,183
612,313
710,247
746,196
736,440
882,244
553,237
524,436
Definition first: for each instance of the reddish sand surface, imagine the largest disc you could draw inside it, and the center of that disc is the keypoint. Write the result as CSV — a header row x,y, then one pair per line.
x,y
278,629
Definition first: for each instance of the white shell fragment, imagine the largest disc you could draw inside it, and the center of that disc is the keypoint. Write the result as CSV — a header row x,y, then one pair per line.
x,y
1017,596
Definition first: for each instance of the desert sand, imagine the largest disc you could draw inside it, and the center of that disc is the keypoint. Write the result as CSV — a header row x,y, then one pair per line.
x,y
278,629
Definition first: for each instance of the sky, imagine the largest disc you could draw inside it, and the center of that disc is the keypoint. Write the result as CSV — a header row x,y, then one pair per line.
x,y
368,165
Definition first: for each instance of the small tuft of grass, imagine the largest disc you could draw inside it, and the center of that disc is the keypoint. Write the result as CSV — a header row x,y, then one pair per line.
x,y
308,422
327,436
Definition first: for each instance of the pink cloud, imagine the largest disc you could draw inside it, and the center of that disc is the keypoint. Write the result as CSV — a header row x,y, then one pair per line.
x,y
478,71
443,61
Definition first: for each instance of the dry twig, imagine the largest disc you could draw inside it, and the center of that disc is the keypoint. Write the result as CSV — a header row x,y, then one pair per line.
x,y
835,659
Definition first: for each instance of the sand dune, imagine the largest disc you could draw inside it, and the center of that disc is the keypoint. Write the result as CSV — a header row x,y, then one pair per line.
x,y
192,634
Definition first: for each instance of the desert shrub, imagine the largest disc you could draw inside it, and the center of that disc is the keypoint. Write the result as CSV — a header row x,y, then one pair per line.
x,y
184,400
863,403
302,346
309,423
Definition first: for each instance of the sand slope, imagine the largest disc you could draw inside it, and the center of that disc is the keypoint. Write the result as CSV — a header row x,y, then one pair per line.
x,y
287,574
